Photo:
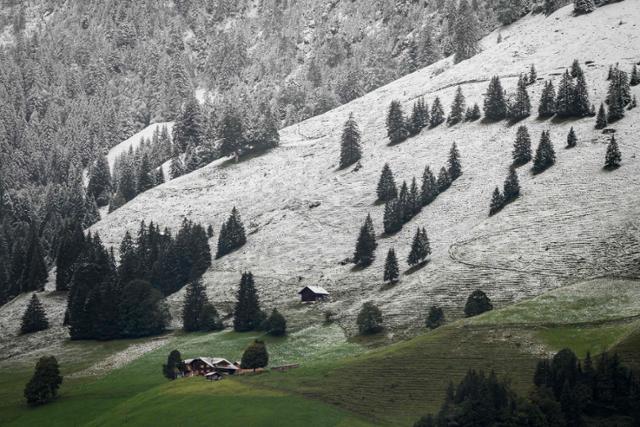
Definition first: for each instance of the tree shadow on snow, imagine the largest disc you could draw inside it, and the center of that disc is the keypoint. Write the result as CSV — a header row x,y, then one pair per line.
x,y
417,267
251,155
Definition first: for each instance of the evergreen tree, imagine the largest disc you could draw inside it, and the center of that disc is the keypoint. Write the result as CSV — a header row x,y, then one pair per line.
x,y
34,318
576,69
613,156
173,366
194,301
572,139
414,201
145,175
99,186
583,6
70,248
509,11
209,318
232,133
495,105
565,102
255,356
369,319
188,128
466,32
246,314
392,216
547,106
455,168
457,108
437,113
420,248
142,312
277,324
350,151
429,190
533,74
43,386
419,116
117,202
601,119
35,275
232,235
635,76
435,318
391,270
511,187
396,124
176,168
497,202
477,303
444,180
619,95
522,147
386,185
521,106
366,244
581,104
127,182
545,154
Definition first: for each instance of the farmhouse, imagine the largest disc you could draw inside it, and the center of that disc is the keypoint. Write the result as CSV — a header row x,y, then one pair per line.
x,y
313,293
202,366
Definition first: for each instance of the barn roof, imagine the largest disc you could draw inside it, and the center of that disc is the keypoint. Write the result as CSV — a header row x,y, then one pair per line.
x,y
213,362
315,289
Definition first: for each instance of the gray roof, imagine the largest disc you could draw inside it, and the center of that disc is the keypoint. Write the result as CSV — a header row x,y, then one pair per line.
x,y
214,362
316,290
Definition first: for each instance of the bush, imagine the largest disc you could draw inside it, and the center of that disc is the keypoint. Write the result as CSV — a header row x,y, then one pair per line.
x,y
276,324
477,303
255,356
435,318
369,319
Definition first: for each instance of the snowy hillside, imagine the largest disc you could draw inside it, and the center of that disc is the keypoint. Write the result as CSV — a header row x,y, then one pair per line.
x,y
573,221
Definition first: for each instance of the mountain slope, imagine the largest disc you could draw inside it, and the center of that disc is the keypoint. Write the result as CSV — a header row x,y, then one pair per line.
x,y
573,221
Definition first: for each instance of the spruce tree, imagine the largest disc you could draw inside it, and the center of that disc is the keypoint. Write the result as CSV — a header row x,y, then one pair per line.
x,y
246,314
232,132
419,116
635,76
255,356
466,32
194,301
176,168
522,147
545,154
601,119
414,201
391,270
473,113
386,185
572,139
435,318
188,131
403,203
511,187
455,168
420,248
576,70
533,74
444,180
171,369
396,124
369,319
547,106
34,318
35,275
613,156
457,108
619,95
495,104
366,245
43,386
497,202
429,189
581,104
477,303
392,220
276,324
437,113
565,103
232,234
99,186
350,150
145,179
521,106
70,248
581,7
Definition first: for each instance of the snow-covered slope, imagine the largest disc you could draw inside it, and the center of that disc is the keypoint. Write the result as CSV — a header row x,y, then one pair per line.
x,y
134,141
573,221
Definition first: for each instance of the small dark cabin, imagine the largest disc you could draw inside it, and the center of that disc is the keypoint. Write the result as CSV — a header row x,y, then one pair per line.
x,y
313,293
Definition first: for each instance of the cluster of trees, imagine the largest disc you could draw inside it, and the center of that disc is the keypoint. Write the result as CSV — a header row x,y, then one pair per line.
x,y
618,96
511,191
232,235
247,315
420,250
198,314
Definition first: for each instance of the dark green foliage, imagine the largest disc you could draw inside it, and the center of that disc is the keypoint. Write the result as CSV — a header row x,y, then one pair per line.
x,y
232,133
581,104
618,95
429,190
173,366
198,314
414,201
455,168
572,139
520,108
601,119
473,113
393,219
522,147
533,74
495,104
188,128
444,180
246,313
386,185
435,317
255,356
71,244
497,202
369,319
581,7
477,303
210,231
232,235
176,168
576,69
142,310
43,386
437,113
420,248
146,179
34,318
396,124
276,324
509,11
466,33
99,186
366,245
511,187
35,275
635,76
419,116
117,201
457,108
565,97
545,155
547,106
613,156
391,270
350,150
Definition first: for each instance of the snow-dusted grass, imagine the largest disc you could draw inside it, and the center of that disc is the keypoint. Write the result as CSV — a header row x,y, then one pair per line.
x,y
134,141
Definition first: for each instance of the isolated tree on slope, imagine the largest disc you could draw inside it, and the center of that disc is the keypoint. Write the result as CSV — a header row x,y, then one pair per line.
x,y
455,168
635,76
429,189
369,319
495,105
511,187
572,139
613,156
466,32
350,151
533,74
437,113
396,124
366,244
435,318
43,386
420,248
232,234
391,270
34,318
497,202
477,303
246,313
545,154
522,147
583,6
444,180
386,185
547,106
457,108
521,107
255,356
601,119
276,324
419,116
172,367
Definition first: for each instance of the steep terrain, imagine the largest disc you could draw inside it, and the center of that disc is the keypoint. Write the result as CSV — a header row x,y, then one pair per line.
x,y
573,221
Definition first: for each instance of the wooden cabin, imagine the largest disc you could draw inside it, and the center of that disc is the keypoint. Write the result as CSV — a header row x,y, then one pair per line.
x,y
313,294
202,366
